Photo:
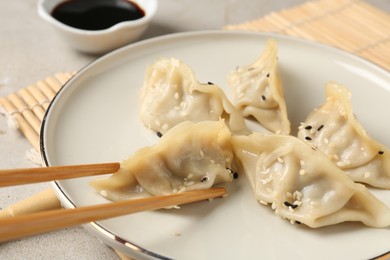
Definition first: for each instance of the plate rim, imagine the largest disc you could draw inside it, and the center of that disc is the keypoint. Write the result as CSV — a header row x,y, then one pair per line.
x,y
101,232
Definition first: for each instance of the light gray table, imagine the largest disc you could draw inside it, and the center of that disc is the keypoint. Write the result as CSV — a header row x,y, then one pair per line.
x,y
30,51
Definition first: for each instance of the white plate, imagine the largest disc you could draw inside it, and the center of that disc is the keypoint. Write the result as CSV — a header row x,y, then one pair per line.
x,y
95,118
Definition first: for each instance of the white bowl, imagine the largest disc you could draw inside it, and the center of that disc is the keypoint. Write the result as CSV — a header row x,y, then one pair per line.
x,y
99,41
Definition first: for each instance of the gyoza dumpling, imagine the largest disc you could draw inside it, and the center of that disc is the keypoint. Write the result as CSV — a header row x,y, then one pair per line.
x,y
171,94
258,92
334,130
303,185
188,157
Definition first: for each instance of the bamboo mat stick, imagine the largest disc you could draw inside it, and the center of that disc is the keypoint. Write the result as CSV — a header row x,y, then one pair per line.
x,y
31,224
46,90
39,96
32,103
26,112
23,125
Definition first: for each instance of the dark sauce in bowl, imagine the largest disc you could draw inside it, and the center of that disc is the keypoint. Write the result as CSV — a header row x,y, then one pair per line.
x,y
96,14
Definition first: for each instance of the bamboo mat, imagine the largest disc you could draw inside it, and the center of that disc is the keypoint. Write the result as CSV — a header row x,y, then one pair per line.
x,y
352,25
27,107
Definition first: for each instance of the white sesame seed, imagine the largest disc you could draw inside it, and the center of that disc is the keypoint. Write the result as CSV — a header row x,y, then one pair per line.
x,y
280,160
263,202
165,126
302,172
176,95
273,205
266,171
297,195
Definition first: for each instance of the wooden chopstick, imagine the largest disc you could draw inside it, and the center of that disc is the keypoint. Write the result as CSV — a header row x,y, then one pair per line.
x,y
31,224
40,174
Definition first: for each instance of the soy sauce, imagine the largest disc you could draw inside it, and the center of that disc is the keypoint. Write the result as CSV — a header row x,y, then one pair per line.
x,y
96,14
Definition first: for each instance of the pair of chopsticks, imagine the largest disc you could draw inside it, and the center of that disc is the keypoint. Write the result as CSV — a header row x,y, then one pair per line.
x,y
40,222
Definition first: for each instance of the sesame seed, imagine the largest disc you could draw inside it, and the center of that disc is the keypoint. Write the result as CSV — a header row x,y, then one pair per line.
x,y
210,83
308,127
176,96
268,75
297,195
165,126
381,152
204,179
159,134
263,202
320,127
288,204
280,160
302,172
263,97
308,138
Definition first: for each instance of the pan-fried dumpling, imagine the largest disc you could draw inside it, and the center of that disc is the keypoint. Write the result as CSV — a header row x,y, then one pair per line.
x,y
334,130
188,157
171,94
303,185
258,92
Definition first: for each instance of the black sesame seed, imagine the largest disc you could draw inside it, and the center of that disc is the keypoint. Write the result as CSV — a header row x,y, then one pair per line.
x,y
159,134
235,175
298,222
268,75
210,83
308,138
320,127
288,204
381,152
308,127
263,97
204,179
